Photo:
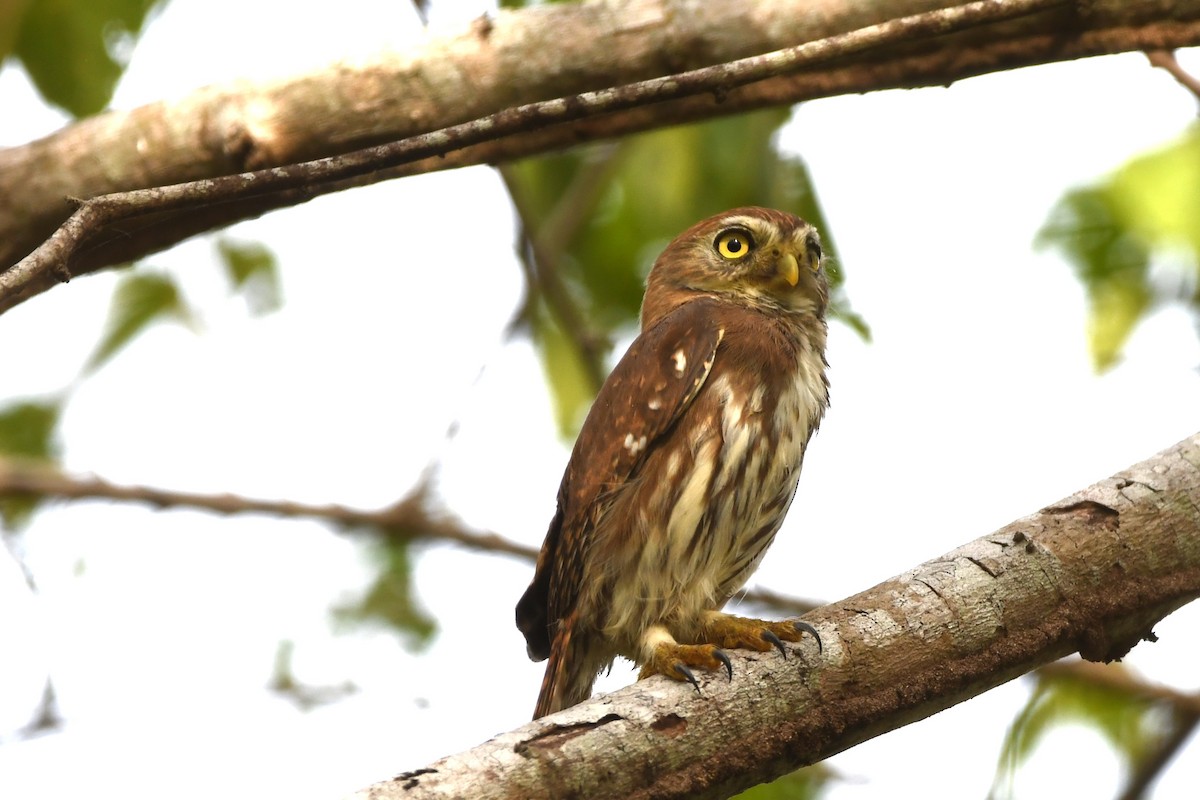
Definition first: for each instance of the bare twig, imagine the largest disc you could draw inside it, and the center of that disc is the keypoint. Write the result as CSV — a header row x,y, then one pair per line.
x,y
52,259
1165,59
792,606
411,519
1121,680
45,719
540,252
1151,767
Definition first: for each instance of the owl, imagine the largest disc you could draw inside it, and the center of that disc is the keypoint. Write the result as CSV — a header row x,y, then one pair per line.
x,y
687,462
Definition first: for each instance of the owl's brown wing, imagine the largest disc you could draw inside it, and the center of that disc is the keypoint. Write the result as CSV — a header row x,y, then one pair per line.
x,y
646,393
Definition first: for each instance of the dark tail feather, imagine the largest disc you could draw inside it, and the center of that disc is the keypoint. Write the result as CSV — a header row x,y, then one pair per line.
x,y
569,677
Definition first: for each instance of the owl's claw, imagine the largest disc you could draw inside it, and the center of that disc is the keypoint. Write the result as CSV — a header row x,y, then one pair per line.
x,y
676,661
687,674
809,629
720,655
664,656
770,636
728,631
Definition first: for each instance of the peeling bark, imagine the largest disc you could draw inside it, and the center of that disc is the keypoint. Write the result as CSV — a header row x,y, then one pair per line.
x,y
1090,574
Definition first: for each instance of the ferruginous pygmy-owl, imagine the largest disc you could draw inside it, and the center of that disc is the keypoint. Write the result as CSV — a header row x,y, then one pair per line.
x,y
687,462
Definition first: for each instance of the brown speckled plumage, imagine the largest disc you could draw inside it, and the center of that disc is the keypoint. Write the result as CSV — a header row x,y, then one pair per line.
x,y
688,460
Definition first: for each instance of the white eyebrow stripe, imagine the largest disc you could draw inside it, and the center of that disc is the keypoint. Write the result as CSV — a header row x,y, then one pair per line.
x,y
753,223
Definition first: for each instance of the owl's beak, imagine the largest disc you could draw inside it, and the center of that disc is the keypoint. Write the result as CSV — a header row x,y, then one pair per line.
x,y
789,268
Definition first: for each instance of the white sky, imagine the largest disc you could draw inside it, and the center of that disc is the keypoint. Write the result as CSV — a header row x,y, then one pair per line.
x,y
160,629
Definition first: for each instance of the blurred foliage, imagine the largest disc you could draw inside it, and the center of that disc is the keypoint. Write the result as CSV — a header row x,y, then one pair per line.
x,y
391,600
139,300
1129,722
803,784
27,431
73,50
602,214
305,696
1118,231
252,270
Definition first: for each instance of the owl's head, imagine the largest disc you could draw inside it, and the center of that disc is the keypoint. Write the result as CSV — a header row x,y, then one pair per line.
x,y
749,256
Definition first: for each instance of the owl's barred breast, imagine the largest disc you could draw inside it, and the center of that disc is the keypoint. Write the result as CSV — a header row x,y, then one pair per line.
x,y
691,527
687,462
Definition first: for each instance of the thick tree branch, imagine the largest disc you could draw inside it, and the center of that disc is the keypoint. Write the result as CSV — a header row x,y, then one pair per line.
x,y
411,519
55,260
516,58
1092,573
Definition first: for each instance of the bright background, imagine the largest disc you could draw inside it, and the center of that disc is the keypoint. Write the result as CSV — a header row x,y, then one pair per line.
x,y
975,404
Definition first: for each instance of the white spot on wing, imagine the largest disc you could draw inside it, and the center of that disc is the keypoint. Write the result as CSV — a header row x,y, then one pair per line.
x,y
655,403
680,361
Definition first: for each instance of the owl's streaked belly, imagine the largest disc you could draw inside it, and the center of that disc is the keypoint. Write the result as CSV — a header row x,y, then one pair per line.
x,y
717,524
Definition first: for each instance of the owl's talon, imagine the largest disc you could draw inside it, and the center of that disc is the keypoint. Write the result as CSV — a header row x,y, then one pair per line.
x,y
720,655
688,675
809,629
770,636
676,661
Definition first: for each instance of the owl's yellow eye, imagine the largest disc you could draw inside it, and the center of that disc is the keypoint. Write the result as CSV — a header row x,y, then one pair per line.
x,y
734,243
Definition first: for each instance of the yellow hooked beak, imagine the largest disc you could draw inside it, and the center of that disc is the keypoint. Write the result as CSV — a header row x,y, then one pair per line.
x,y
789,265
789,268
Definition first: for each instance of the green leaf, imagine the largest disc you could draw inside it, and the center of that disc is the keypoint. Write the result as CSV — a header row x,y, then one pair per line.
x,y
808,783
569,384
12,13
28,428
1114,231
1125,720
28,431
390,600
76,50
138,301
1109,259
1156,197
253,270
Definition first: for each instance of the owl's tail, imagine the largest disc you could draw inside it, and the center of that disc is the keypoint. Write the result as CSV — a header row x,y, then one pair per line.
x,y
570,673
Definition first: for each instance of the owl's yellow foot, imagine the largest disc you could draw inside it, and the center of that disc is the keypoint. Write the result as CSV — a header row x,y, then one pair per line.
x,y
728,631
662,655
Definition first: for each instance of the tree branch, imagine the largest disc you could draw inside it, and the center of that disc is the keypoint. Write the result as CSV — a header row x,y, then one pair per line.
x,y
411,519
1122,680
1092,573
1165,59
540,257
512,59
53,260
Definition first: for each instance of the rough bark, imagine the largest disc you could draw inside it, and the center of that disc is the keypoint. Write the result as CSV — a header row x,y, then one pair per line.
x,y
1090,574
503,61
